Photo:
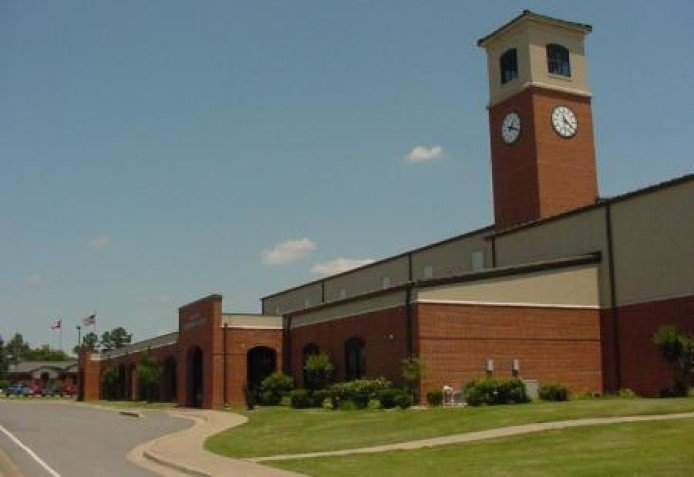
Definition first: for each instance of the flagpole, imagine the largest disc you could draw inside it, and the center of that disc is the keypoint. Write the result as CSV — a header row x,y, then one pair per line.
x,y
60,337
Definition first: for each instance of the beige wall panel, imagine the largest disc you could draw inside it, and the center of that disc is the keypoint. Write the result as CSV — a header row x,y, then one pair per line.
x,y
540,36
452,258
293,300
351,308
367,279
252,321
576,286
654,245
512,39
570,236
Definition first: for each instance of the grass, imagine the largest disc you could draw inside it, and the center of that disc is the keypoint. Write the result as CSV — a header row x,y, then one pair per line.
x,y
645,449
279,430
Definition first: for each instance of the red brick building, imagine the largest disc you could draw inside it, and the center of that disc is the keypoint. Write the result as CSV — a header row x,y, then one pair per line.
x,y
564,286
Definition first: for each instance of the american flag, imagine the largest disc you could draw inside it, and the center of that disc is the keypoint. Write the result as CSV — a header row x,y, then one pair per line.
x,y
56,324
90,320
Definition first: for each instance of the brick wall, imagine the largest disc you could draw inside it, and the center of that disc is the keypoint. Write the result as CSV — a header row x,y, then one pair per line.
x,y
643,368
383,353
551,344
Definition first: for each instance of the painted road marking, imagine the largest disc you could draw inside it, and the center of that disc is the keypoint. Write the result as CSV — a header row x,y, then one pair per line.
x,y
31,453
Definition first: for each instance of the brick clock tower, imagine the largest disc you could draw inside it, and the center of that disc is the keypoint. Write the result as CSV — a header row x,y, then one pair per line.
x,y
543,156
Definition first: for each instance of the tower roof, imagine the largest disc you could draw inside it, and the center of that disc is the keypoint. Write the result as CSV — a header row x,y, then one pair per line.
x,y
528,15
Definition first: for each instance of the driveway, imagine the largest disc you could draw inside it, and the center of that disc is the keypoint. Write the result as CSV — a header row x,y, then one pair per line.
x,y
69,440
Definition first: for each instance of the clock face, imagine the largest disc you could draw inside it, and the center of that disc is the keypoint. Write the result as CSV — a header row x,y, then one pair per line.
x,y
564,121
511,127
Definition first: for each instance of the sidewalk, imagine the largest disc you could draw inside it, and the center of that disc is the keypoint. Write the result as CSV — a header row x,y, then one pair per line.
x,y
182,453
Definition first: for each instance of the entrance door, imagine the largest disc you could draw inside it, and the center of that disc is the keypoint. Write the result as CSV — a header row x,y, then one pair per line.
x,y
261,363
194,371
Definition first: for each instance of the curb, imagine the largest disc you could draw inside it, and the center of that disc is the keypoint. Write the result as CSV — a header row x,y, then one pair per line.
x,y
131,414
180,467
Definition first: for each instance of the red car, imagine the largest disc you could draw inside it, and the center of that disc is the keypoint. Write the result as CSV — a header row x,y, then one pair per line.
x,y
34,389
68,389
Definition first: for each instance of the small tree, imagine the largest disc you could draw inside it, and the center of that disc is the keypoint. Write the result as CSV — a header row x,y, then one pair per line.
x,y
678,349
148,373
412,371
319,370
109,383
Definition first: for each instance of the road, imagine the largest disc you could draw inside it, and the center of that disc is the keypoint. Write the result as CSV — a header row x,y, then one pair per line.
x,y
74,441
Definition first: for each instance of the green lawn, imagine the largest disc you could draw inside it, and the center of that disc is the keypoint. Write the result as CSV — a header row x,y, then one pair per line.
x,y
645,449
279,430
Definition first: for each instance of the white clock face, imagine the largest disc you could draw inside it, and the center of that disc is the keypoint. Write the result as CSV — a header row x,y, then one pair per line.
x,y
564,121
511,127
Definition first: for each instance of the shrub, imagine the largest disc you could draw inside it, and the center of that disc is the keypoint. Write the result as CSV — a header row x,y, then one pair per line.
x,y
554,392
412,370
435,397
300,399
679,389
358,391
109,383
318,397
626,393
4,383
491,390
387,397
404,399
678,348
148,373
274,387
318,370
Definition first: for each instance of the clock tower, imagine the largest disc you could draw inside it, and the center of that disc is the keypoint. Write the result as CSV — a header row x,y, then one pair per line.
x,y
540,122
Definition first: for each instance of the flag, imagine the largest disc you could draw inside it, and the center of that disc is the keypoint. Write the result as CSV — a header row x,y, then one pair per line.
x,y
90,320
57,324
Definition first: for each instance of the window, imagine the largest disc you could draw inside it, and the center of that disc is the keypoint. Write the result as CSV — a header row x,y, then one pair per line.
x,y
428,272
478,261
558,60
508,66
385,283
343,293
307,302
355,358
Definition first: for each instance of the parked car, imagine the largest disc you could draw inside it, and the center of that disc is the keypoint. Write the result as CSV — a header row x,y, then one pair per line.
x,y
16,389
69,389
51,390
34,389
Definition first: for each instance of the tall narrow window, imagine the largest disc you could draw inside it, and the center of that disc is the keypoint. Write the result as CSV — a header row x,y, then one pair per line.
x,y
309,349
558,60
355,358
508,66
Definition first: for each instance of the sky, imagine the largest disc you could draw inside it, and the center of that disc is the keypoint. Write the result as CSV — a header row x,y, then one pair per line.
x,y
154,152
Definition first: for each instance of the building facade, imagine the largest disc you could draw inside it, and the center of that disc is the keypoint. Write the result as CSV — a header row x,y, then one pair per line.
x,y
564,286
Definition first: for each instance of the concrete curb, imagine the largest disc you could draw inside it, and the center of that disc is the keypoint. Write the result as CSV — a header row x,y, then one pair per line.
x,y
131,414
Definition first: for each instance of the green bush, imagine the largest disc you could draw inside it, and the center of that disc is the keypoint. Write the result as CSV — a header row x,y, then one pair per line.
x,y
679,389
300,399
554,392
359,392
491,391
4,383
148,372
318,370
318,397
387,397
109,383
626,393
435,397
274,387
404,399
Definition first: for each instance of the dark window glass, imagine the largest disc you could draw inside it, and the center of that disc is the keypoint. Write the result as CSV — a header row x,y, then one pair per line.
x,y
509,66
558,60
355,358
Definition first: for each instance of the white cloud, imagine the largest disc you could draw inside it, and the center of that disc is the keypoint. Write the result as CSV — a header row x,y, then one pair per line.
x,y
34,279
420,154
100,242
338,265
288,251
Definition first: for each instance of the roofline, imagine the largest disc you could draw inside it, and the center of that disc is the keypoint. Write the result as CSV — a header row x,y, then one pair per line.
x,y
213,296
584,27
600,203
381,261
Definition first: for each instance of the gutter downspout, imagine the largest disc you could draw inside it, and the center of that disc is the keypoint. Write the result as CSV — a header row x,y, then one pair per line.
x,y
226,400
408,308
613,296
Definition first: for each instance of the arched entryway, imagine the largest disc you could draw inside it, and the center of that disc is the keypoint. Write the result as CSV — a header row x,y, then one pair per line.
x,y
168,379
194,377
261,362
132,382
122,387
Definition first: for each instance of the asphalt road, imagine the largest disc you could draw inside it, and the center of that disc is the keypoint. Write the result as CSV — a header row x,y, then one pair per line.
x,y
75,441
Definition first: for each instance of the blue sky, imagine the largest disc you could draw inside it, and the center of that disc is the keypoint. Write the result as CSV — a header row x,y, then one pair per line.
x,y
154,152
